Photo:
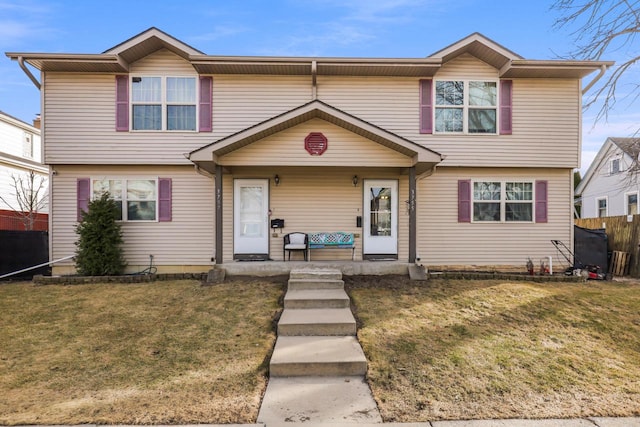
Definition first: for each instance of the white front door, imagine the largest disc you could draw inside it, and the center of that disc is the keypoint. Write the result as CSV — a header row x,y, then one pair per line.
x,y
380,228
251,217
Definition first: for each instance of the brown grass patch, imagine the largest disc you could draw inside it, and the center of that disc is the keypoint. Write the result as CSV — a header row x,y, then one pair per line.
x,y
154,353
493,349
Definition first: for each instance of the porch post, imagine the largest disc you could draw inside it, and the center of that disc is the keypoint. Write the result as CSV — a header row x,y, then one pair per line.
x,y
412,214
218,195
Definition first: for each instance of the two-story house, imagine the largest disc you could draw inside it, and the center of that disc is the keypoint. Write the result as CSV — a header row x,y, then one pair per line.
x,y
464,157
23,176
610,186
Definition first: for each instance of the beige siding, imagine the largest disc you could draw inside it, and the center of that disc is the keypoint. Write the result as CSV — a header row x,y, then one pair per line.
x,y
79,114
80,125
241,101
314,200
163,61
187,241
546,116
343,149
444,241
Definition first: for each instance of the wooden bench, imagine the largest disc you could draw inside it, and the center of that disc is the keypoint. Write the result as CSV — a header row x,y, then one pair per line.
x,y
333,240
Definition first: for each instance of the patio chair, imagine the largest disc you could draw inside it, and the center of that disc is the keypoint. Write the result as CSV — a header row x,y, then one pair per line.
x,y
295,242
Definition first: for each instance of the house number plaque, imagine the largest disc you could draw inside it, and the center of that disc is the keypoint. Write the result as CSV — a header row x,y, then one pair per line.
x,y
315,143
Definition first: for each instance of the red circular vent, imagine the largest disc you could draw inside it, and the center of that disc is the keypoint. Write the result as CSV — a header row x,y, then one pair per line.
x,y
315,143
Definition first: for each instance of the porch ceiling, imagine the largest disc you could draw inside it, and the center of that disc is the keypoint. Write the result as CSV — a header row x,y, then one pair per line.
x,y
422,158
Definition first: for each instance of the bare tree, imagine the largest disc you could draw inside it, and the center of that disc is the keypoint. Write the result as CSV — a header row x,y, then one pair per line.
x,y
29,197
605,27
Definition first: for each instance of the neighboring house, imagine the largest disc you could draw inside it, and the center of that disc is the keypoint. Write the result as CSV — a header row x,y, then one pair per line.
x,y
464,157
21,154
610,185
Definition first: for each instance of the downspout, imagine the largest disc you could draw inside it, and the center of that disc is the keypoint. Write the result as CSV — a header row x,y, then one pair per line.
x,y
314,80
28,73
603,69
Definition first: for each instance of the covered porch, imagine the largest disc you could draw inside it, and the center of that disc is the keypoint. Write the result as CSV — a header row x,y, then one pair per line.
x,y
315,169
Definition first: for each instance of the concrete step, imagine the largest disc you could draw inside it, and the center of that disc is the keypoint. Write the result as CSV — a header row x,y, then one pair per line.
x,y
315,284
316,321
320,402
317,356
316,298
316,273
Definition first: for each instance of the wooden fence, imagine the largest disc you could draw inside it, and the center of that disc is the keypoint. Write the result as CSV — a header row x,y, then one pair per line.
x,y
623,235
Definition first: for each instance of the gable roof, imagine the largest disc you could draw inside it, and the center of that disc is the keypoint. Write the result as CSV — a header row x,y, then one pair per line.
x,y
149,41
206,157
629,146
479,46
118,58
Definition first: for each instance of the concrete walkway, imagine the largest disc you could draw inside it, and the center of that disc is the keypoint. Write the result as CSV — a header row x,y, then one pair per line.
x,y
317,368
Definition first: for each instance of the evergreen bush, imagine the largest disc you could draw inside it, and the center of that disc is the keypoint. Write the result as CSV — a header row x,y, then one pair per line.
x,y
98,248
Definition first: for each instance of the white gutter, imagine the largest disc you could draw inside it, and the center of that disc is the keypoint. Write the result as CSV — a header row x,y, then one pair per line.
x,y
603,69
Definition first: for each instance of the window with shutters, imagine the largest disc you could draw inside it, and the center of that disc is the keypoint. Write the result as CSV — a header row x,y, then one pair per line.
x,y
137,198
503,201
164,103
466,106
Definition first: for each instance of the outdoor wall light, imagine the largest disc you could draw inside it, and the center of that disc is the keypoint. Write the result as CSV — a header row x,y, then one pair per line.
x,y
355,180
276,179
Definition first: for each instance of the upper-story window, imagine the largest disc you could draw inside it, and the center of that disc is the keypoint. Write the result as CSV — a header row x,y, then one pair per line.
x,y
163,103
466,106
615,166
27,145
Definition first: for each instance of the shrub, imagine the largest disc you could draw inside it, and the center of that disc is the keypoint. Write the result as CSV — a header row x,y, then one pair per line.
x,y
98,248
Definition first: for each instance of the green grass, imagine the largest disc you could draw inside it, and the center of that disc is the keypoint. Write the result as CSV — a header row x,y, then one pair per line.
x,y
495,349
162,352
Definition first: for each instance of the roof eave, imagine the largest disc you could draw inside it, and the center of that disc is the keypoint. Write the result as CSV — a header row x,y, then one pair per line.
x,y
551,68
71,63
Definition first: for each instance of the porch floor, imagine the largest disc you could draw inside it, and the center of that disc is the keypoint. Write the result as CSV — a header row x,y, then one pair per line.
x,y
349,268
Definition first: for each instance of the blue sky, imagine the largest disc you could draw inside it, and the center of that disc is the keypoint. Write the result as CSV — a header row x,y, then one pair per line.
x,y
353,28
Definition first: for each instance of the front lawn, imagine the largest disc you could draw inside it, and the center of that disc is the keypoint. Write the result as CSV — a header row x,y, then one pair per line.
x,y
448,349
154,353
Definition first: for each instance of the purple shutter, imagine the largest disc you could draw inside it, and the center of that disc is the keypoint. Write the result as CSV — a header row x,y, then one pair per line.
x,y
164,199
426,113
506,101
541,201
464,200
206,104
83,195
122,103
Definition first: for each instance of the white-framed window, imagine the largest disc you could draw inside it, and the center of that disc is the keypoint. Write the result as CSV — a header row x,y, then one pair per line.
x,y
466,106
164,103
602,207
631,203
27,145
503,201
137,197
615,166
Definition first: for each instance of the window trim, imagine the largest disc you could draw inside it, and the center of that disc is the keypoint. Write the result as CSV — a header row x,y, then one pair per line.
x,y
124,200
466,107
503,200
163,101
606,200
611,163
626,202
27,145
